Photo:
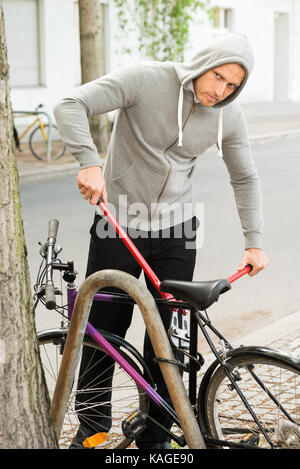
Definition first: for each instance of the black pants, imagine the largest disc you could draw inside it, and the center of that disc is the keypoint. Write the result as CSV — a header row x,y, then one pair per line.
x,y
170,259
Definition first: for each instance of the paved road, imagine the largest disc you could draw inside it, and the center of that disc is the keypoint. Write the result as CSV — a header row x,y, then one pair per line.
x,y
251,303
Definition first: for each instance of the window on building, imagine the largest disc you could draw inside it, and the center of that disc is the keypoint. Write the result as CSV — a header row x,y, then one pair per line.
x,y
223,18
22,37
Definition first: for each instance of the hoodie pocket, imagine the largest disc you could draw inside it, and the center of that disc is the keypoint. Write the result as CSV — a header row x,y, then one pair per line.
x,y
123,174
138,184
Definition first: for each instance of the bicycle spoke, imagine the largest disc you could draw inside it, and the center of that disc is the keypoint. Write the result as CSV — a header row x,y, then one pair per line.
x,y
103,398
272,391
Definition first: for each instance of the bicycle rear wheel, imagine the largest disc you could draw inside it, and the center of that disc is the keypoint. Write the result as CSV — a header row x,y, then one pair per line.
x,y
38,144
126,396
228,418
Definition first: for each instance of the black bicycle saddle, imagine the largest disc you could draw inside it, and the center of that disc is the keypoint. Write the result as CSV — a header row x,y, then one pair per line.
x,y
200,295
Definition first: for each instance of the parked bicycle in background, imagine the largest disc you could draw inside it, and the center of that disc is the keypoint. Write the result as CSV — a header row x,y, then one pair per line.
x,y
44,140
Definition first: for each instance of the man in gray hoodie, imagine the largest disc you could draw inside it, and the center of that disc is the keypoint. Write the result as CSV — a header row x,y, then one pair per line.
x,y
168,115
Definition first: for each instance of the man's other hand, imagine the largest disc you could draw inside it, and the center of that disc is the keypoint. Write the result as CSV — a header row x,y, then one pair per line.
x,y
255,257
91,184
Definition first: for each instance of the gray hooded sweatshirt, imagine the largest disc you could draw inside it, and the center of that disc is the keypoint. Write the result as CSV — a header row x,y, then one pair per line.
x,y
160,130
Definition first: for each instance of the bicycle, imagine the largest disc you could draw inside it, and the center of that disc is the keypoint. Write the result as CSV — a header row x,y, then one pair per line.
x,y
247,398
38,139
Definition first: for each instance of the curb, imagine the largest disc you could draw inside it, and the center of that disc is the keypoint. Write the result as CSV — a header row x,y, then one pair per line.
x,y
273,331
41,173
267,335
283,133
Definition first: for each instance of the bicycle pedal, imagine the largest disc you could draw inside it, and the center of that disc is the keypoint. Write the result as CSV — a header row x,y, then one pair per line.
x,y
251,439
134,424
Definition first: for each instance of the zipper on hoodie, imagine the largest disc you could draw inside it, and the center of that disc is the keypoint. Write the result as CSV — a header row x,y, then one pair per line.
x,y
169,170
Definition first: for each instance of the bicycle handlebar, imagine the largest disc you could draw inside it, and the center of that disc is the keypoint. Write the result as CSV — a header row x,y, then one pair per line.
x,y
52,229
240,273
50,300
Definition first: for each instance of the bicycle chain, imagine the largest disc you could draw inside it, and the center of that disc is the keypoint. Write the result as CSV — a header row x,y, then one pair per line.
x,y
243,419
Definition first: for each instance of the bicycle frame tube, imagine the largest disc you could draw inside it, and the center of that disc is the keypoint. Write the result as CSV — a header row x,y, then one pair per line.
x,y
28,128
43,130
114,354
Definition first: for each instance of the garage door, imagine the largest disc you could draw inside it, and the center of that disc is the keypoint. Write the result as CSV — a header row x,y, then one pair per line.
x,y
22,36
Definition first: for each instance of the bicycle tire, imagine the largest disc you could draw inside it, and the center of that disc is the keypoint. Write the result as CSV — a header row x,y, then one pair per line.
x,y
229,420
126,396
38,145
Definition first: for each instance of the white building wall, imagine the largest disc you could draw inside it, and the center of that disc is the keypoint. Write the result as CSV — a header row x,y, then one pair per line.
x,y
60,56
256,19
295,52
120,42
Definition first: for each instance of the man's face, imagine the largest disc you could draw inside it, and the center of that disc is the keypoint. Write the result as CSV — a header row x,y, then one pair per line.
x,y
218,83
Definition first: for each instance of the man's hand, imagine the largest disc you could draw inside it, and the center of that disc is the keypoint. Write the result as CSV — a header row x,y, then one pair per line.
x,y
255,257
91,184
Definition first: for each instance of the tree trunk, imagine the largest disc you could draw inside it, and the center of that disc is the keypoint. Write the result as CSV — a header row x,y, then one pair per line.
x,y
91,19
24,401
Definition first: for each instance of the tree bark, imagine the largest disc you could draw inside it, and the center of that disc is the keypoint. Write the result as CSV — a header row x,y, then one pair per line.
x,y
91,20
24,401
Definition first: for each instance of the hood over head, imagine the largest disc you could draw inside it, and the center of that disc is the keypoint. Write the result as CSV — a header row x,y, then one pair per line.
x,y
228,48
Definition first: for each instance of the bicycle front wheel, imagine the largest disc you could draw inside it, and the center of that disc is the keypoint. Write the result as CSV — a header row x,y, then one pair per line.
x,y
101,398
271,387
38,144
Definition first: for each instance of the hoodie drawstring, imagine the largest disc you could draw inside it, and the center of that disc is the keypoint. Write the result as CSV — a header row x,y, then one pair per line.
x,y
220,133
179,117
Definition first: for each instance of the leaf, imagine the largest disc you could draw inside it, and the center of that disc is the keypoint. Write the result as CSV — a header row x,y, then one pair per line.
x,y
160,23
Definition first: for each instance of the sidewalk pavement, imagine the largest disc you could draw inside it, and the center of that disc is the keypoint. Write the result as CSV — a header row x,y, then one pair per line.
x,y
269,120
265,121
282,335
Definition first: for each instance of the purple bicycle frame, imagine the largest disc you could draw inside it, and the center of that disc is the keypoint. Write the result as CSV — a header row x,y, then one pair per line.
x,y
115,355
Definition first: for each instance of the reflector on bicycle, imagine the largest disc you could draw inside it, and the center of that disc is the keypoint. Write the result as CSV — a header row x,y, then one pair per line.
x,y
95,440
